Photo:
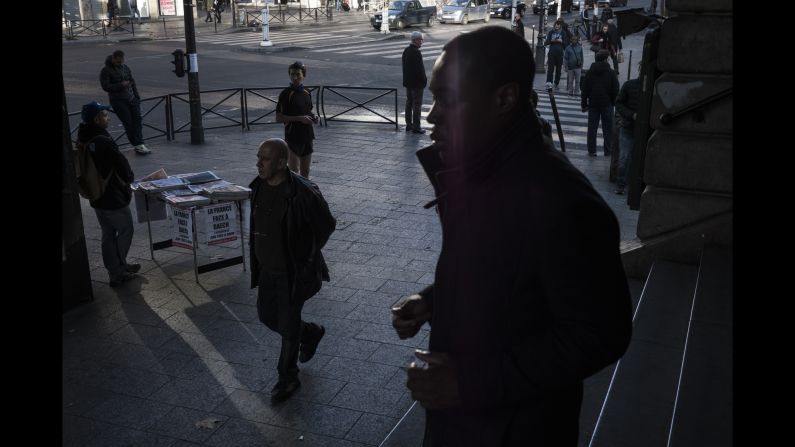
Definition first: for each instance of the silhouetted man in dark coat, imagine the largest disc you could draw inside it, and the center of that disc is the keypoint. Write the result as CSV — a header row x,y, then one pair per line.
x,y
529,296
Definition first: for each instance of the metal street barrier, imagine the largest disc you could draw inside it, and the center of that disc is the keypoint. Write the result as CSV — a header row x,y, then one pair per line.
x,y
344,102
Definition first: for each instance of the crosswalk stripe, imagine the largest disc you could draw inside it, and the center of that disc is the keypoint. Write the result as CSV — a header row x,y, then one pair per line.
x,y
573,122
365,46
386,45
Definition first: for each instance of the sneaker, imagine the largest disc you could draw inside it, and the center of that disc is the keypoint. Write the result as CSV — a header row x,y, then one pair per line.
x,y
142,149
592,154
548,86
133,268
284,389
620,190
307,350
420,131
121,279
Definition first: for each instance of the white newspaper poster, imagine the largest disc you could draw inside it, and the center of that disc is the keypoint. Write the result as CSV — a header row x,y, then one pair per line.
x,y
221,223
168,8
183,236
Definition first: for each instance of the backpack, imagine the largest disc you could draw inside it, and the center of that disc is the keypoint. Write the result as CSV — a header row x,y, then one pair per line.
x,y
90,184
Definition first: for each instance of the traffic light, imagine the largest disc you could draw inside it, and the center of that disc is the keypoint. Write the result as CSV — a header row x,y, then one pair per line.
x,y
179,62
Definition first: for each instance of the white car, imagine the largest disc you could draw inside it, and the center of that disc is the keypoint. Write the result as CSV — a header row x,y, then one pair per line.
x,y
463,11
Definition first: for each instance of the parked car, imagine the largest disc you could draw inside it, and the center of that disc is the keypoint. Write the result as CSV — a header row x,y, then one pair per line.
x,y
403,13
502,8
552,6
463,11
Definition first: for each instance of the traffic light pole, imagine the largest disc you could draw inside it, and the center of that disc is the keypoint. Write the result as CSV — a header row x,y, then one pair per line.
x,y
540,68
194,93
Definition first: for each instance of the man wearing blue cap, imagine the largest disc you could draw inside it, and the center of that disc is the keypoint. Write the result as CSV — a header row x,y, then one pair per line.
x,y
117,79
113,207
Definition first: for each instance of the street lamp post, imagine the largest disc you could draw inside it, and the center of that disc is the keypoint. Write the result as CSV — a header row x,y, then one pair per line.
x,y
540,43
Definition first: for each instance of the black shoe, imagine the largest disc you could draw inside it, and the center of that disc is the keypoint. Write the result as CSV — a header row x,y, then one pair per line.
x,y
133,268
592,154
307,350
620,190
121,279
409,128
607,154
284,389
420,131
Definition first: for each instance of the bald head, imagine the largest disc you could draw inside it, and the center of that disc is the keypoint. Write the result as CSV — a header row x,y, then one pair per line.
x,y
278,146
272,160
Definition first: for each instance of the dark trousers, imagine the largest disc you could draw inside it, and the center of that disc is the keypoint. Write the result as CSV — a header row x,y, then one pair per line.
x,y
129,114
554,64
117,234
413,107
614,57
283,316
605,113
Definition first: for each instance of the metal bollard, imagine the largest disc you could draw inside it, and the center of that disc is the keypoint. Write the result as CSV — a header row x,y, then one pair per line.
x,y
265,28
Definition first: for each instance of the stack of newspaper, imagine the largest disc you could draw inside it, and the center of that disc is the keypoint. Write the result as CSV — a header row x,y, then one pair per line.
x,y
177,181
223,190
184,198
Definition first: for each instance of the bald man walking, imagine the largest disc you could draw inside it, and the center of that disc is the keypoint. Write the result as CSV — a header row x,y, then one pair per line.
x,y
290,223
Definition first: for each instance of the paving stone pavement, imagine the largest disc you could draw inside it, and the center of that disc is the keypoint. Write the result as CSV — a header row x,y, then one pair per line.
x,y
164,360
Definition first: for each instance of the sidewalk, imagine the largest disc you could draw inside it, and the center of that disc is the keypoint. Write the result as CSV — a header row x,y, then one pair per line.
x,y
164,360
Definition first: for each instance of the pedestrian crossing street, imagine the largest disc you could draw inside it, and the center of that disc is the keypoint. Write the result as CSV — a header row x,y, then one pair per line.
x,y
573,122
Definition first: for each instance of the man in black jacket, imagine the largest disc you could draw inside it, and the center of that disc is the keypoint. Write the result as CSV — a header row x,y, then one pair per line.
x,y
414,80
627,108
599,91
527,300
290,223
113,207
116,78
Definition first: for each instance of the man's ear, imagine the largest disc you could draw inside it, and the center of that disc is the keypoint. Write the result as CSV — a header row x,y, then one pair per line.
x,y
507,97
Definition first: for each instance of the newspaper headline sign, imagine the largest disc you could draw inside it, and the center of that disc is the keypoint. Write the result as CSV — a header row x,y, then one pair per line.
x,y
221,221
183,236
168,8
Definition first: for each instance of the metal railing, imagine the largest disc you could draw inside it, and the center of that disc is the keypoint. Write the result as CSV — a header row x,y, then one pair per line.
x,y
151,129
284,15
341,108
247,107
266,94
180,117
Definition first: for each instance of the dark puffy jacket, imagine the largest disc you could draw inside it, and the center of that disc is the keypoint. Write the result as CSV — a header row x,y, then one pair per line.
x,y
413,68
527,300
107,157
599,86
627,103
307,225
111,78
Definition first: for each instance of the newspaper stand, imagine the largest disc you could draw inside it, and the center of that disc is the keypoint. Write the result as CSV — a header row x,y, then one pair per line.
x,y
204,268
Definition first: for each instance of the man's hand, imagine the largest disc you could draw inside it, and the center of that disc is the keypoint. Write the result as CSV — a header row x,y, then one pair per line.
x,y
435,385
305,119
409,314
